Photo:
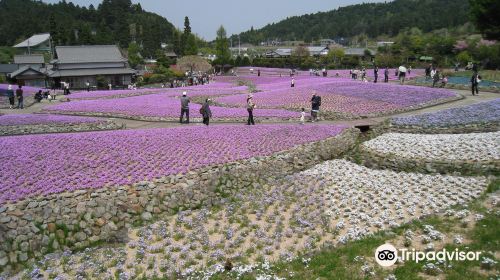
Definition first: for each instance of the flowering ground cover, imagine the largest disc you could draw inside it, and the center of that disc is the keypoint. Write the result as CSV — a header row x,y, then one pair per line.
x,y
333,203
343,73
343,96
27,90
476,147
159,106
218,88
35,119
45,164
481,113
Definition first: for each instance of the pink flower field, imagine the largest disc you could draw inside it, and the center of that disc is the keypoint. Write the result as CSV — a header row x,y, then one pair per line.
x,y
39,119
47,164
158,106
342,96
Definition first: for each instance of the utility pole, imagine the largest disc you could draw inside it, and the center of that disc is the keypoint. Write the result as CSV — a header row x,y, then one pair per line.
x,y
239,45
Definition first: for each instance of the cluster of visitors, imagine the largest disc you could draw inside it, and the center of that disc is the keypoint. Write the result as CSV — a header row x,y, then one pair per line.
x,y
358,74
317,72
206,113
19,95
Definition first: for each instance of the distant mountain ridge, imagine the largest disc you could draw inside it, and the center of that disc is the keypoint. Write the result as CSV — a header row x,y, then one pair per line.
x,y
372,19
113,21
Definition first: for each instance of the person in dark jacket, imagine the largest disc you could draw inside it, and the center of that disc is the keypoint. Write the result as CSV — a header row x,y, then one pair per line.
x,y
386,75
435,79
250,107
375,73
315,104
475,83
39,96
10,95
20,97
206,112
185,107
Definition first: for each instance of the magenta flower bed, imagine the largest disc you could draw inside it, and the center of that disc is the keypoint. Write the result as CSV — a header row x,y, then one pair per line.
x,y
206,90
34,119
160,106
46,164
26,90
343,96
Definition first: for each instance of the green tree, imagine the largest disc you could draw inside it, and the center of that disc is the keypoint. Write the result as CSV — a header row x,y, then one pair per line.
x,y
134,57
335,55
185,36
191,47
485,14
222,46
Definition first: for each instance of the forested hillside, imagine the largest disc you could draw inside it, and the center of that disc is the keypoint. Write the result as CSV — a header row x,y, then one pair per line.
x,y
113,21
373,19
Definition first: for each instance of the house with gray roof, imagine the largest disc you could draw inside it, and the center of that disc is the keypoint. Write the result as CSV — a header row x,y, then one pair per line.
x,y
279,53
318,51
30,71
38,43
78,65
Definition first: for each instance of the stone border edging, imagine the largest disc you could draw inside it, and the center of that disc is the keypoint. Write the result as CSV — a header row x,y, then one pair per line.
x,y
374,160
74,220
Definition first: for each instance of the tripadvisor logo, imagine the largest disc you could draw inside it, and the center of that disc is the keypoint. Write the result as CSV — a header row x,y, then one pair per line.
x,y
387,255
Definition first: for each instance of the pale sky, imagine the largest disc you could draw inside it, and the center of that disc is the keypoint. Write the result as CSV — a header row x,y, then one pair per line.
x,y
235,15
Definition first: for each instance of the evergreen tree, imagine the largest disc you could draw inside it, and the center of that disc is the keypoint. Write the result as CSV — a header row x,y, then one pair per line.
x,y
185,37
222,46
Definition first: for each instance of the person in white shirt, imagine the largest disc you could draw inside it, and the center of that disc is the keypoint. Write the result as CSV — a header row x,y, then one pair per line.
x,y
303,116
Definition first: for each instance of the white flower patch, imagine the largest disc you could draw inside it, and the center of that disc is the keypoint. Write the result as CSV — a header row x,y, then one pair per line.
x,y
442,147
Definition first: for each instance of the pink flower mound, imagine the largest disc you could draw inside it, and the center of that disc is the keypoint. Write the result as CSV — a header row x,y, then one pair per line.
x,y
160,106
46,164
33,119
343,96
26,90
208,90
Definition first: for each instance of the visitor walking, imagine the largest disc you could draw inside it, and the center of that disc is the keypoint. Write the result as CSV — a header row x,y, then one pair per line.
x,y
292,83
303,116
206,112
250,107
402,74
375,73
258,73
386,75
20,97
428,72
315,104
87,84
10,95
363,74
435,78
184,107
475,80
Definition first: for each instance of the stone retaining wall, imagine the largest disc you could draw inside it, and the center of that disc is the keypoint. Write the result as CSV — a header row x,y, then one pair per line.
x,y
387,127
463,129
57,128
374,160
34,227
